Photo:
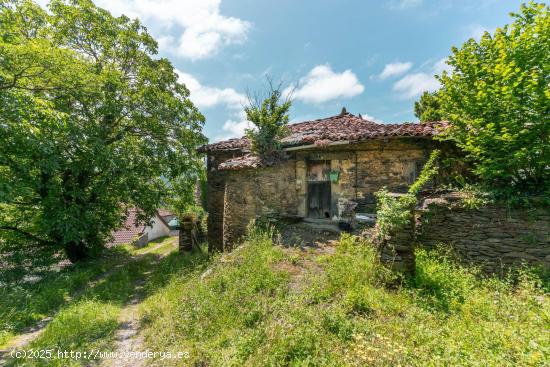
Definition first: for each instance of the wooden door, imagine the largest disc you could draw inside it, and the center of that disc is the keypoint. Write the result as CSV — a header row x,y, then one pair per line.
x,y
318,189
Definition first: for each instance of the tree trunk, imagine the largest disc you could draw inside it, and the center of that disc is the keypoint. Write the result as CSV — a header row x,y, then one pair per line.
x,y
76,251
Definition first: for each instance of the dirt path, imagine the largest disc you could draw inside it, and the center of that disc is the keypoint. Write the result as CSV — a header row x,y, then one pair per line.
x,y
28,335
127,338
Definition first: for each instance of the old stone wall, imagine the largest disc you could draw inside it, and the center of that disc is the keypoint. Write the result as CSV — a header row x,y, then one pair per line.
x,y
393,163
495,237
264,192
215,199
367,167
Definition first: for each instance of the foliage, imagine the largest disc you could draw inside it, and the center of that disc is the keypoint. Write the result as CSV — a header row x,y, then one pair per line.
x,y
91,119
186,200
269,114
394,212
498,102
267,306
428,108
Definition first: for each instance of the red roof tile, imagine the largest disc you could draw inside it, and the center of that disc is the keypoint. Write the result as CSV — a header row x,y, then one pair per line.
x,y
342,127
129,231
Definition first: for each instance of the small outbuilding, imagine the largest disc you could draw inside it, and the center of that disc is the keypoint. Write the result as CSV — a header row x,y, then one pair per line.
x,y
139,234
328,170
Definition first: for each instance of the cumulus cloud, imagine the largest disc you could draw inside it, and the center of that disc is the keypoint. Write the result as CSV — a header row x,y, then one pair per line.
x,y
192,29
476,31
412,85
395,69
322,84
235,129
206,96
366,116
404,4
415,84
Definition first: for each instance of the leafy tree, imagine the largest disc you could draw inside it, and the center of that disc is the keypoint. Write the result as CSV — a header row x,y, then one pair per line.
x,y
269,114
90,120
498,101
428,108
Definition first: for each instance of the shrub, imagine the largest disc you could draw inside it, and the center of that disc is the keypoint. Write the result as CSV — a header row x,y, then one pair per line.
x,y
269,114
497,100
393,213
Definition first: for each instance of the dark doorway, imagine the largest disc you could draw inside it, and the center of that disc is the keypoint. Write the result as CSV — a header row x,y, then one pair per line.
x,y
318,189
319,199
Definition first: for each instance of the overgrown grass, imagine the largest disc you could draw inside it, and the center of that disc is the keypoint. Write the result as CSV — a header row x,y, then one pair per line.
x,y
246,309
24,303
90,320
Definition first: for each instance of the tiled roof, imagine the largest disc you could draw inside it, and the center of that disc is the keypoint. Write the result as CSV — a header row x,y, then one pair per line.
x,y
247,161
342,127
129,231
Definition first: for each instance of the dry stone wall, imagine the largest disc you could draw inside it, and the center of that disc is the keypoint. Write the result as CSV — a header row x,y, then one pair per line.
x,y
495,237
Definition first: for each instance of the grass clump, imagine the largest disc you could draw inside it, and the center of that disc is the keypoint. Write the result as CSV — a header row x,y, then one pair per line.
x,y
261,305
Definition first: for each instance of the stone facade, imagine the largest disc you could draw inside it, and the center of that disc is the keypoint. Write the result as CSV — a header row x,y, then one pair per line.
x,y
235,197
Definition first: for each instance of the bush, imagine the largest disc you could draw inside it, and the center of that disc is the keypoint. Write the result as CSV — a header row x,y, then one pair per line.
x,y
497,100
393,213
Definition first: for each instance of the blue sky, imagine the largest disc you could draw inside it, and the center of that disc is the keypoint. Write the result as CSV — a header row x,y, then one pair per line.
x,y
373,57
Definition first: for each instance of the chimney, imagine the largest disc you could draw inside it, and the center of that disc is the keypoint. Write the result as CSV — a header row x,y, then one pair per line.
x,y
344,111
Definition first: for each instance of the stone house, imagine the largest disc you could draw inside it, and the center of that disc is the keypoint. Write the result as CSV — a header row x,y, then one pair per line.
x,y
329,171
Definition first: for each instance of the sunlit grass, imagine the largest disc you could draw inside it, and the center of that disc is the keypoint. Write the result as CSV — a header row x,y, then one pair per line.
x,y
244,309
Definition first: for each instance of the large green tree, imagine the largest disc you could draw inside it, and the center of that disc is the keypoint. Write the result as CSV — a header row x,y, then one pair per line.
x,y
498,102
91,123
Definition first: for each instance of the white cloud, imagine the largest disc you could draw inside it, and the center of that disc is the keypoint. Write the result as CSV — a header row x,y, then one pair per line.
x,y
235,129
441,66
199,27
322,84
415,84
366,116
476,31
405,4
412,85
205,96
395,69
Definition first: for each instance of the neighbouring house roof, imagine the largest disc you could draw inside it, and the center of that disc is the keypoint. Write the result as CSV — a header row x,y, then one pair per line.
x,y
342,127
166,215
131,229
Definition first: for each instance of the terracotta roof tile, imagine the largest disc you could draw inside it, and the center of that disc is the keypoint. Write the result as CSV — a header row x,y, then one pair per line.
x,y
342,127
129,231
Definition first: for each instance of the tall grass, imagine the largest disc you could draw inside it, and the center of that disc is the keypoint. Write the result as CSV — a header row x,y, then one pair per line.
x,y
23,304
89,322
246,309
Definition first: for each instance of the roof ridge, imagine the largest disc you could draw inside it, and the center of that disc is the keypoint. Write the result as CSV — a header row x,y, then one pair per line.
x,y
336,128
